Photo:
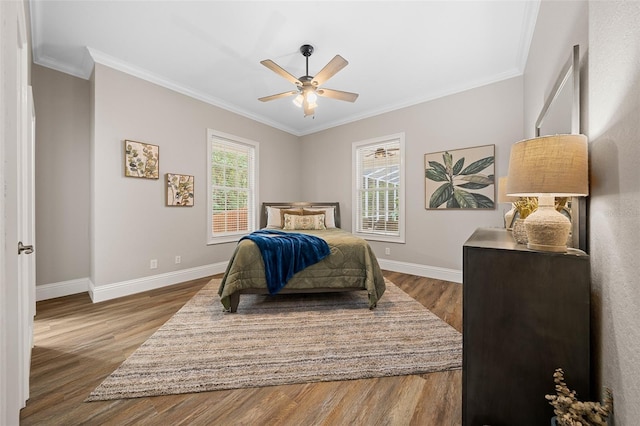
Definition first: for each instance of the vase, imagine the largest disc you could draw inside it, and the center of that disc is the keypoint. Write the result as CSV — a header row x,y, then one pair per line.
x,y
509,219
519,232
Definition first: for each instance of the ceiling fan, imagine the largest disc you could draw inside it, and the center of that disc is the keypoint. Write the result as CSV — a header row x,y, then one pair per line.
x,y
308,88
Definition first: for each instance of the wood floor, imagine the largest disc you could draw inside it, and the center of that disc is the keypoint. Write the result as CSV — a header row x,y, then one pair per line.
x,y
78,344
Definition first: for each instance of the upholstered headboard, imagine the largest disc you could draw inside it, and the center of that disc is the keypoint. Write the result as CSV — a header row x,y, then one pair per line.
x,y
263,210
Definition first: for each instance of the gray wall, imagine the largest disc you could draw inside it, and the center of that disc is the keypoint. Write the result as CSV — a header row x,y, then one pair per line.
x,y
614,133
489,115
131,224
62,175
609,38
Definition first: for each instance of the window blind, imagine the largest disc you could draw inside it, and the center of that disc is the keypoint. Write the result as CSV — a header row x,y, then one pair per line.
x,y
378,188
232,187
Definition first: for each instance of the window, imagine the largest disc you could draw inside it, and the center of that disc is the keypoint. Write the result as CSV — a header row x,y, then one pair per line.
x,y
232,187
378,189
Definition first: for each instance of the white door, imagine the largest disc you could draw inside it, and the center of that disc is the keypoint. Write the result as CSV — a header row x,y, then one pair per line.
x,y
26,237
17,276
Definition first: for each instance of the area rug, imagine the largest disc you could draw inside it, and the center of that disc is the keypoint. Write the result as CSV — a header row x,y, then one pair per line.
x,y
285,339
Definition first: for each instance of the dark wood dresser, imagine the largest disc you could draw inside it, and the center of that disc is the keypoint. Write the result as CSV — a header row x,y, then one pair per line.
x,y
525,313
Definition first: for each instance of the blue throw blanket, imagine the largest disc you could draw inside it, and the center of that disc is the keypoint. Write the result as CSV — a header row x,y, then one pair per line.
x,y
285,253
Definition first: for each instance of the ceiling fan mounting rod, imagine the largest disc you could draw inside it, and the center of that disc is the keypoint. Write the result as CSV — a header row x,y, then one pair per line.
x,y
306,50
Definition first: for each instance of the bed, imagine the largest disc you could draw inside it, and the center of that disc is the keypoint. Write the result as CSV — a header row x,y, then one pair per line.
x,y
350,266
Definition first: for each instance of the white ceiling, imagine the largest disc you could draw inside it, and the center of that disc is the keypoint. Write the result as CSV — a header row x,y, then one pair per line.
x,y
399,53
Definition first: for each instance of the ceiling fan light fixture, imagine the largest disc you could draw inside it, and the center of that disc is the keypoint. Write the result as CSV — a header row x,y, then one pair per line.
x,y
297,101
311,97
309,105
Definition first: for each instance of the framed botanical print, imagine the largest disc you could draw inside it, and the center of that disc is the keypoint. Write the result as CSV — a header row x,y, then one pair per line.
x,y
460,178
179,190
141,160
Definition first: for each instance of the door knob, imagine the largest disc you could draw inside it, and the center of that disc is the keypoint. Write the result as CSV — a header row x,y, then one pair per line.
x,y
26,249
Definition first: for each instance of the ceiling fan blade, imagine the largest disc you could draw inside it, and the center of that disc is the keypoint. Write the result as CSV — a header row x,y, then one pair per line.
x,y
337,94
278,96
280,71
329,70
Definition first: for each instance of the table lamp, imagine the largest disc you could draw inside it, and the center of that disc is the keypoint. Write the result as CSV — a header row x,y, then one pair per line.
x,y
547,167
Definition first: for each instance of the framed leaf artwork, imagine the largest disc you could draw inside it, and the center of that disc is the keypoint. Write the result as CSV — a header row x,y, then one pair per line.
x,y
460,178
141,160
179,190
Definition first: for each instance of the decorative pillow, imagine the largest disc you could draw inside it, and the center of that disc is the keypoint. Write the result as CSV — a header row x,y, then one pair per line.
x,y
275,215
329,215
292,211
304,222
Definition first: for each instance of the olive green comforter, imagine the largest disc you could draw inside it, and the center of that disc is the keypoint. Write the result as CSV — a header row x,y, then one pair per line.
x,y
351,264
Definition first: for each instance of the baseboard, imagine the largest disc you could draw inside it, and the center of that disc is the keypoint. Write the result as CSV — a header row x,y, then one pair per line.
x,y
126,288
435,272
62,288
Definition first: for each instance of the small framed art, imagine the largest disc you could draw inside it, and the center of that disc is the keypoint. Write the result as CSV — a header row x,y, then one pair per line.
x,y
141,160
179,190
460,178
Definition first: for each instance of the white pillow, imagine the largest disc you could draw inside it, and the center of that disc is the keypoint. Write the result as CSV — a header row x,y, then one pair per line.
x,y
273,218
303,222
329,215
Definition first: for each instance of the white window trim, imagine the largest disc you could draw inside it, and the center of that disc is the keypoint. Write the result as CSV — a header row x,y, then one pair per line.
x,y
253,213
355,187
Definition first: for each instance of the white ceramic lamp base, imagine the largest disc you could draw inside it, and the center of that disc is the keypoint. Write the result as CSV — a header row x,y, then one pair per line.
x,y
547,229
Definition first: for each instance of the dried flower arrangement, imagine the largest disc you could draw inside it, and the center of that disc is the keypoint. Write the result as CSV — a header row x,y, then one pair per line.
x,y
525,206
571,412
561,202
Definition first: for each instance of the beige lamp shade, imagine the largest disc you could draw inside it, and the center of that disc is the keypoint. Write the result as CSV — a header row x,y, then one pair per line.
x,y
555,165
502,192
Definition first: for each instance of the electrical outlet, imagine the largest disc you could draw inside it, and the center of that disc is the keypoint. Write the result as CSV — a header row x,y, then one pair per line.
x,y
387,250
153,264
178,259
